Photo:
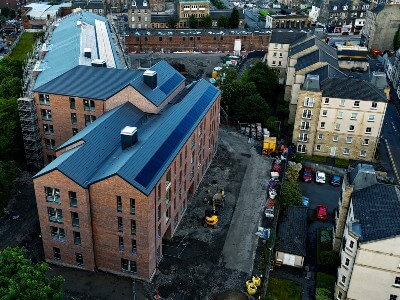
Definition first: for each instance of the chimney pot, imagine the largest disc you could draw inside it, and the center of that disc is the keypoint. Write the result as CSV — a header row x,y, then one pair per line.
x,y
150,78
128,137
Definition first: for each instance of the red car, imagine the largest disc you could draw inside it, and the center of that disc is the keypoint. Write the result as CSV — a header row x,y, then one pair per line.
x,y
307,175
321,212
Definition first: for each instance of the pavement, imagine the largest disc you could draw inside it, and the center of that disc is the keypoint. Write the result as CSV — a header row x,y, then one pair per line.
x,y
240,244
321,194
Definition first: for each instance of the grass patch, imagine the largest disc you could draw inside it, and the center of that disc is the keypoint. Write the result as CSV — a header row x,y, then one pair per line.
x,y
315,158
324,241
326,282
282,289
341,162
24,45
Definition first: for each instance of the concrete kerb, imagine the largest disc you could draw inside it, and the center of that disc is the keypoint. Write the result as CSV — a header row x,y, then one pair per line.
x,y
392,161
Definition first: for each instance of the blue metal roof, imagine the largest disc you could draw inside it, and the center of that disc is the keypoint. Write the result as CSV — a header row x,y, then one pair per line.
x,y
102,83
65,47
160,138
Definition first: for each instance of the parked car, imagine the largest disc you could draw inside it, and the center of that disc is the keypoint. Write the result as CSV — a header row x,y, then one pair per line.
x,y
335,181
321,212
357,69
320,177
305,201
307,175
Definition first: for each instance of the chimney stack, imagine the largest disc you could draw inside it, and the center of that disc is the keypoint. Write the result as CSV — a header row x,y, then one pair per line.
x,y
150,78
128,137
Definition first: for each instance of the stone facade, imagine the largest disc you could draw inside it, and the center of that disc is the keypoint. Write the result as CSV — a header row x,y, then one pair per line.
x,y
341,213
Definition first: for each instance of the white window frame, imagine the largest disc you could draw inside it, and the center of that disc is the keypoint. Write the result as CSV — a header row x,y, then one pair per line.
x,y
52,194
353,116
308,102
320,136
340,115
337,126
318,148
335,138
356,103
324,112
322,125
365,144
302,148
349,140
346,151
363,153
342,102
304,125
370,130
371,118
351,130
307,114
303,137
374,105
326,101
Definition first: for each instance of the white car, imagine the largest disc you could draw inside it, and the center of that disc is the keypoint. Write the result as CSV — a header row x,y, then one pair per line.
x,y
320,177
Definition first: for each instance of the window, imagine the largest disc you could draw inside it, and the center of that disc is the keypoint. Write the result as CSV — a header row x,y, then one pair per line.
x,y
340,115
72,103
74,119
343,279
74,131
337,126
75,219
128,266
57,253
50,143
353,116
167,215
46,114
72,199
120,224
50,158
167,196
176,221
326,101
342,102
307,113
159,213
134,248
274,63
48,129
159,231
305,126
132,203
88,105
397,281
393,297
303,137
347,262
89,119
309,102
159,191
168,180
121,243
52,194
77,238
320,136
301,148
55,215
322,124
363,153
133,227
351,245
356,104
79,259
365,142
274,54
371,118
339,295
192,141
324,113
349,139
374,105
368,130
119,204
57,233
351,128
318,148
346,151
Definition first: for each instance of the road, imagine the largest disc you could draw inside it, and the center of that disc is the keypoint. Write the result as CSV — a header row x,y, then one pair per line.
x,y
391,130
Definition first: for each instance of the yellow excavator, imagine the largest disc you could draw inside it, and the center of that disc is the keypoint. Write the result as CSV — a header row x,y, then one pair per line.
x,y
211,216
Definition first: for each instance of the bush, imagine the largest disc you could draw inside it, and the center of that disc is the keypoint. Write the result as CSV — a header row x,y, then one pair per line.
x,y
329,258
322,294
342,162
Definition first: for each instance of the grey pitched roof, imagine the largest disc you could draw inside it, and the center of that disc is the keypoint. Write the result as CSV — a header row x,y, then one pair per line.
x,y
309,42
362,176
293,231
315,57
378,9
286,37
102,83
377,209
351,88
328,71
99,155
88,4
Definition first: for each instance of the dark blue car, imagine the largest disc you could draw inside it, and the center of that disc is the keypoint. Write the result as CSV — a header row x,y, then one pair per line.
x,y
335,181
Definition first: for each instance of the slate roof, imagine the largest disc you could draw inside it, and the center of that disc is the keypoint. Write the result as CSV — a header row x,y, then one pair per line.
x,y
98,154
309,42
377,209
351,88
315,57
285,37
65,48
378,9
215,14
328,71
293,231
363,175
101,83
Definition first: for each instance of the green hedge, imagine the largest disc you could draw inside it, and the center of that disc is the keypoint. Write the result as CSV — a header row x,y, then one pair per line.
x,y
283,289
325,286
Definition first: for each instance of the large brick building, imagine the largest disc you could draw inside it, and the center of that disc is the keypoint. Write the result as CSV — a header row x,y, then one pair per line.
x,y
121,185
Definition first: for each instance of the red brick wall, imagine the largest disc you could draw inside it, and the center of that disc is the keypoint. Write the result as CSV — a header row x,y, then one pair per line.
x,y
206,42
58,180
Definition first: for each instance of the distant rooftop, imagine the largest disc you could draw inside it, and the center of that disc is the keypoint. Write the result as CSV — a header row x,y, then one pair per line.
x,y
286,37
72,35
40,10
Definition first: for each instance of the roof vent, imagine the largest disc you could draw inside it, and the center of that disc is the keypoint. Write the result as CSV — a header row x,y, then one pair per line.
x,y
150,78
311,83
99,63
128,137
78,23
87,52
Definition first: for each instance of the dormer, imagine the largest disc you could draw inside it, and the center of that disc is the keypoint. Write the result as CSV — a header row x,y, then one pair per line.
x,y
145,4
133,3
334,7
345,7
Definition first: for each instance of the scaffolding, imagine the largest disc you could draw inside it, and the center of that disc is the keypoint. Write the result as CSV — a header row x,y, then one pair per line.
x,y
30,132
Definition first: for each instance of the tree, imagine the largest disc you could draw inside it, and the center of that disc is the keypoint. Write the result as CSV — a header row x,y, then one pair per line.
x,y
322,294
223,21
10,87
206,21
10,136
266,81
251,109
172,22
291,193
20,279
232,92
8,172
396,40
234,18
192,22
292,171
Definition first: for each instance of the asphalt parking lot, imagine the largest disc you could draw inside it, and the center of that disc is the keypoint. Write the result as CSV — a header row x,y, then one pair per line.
x,y
321,194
